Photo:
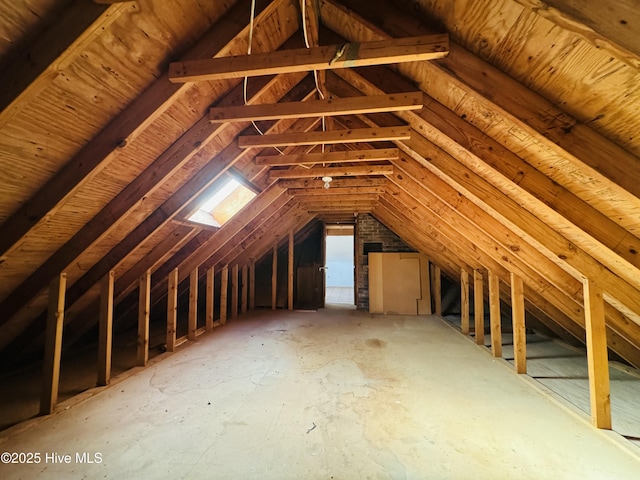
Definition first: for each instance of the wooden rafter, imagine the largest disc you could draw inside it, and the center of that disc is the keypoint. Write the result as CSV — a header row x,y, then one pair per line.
x,y
317,184
329,157
316,108
410,49
331,172
316,138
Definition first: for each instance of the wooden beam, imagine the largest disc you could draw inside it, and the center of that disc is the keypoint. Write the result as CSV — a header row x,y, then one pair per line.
x,y
331,172
290,273
410,49
144,306
328,157
518,320
464,301
105,329
317,108
478,301
335,191
494,314
245,288
329,137
598,363
224,285
172,309
210,299
234,291
252,285
193,305
274,276
437,289
53,345
317,184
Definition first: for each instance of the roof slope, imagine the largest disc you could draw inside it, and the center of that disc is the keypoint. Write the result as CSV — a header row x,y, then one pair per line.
x,y
523,159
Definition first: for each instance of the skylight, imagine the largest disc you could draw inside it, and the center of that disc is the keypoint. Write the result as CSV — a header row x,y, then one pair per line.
x,y
224,203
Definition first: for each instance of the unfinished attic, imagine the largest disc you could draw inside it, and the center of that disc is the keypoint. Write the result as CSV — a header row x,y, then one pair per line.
x,y
320,239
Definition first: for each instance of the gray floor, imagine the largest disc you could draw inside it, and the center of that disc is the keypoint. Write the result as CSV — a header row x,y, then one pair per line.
x,y
339,295
332,394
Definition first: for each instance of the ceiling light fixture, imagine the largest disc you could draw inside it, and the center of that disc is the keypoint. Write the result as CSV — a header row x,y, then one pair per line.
x,y
327,181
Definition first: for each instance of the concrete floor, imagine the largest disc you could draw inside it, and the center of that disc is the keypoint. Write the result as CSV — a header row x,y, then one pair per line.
x,y
334,394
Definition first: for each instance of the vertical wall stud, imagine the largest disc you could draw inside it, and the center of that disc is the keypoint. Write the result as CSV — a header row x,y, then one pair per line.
x,y
193,305
224,286
274,277
234,291
494,314
519,329
598,362
53,345
290,273
105,329
209,300
144,305
172,309
437,290
464,301
252,285
478,301
245,288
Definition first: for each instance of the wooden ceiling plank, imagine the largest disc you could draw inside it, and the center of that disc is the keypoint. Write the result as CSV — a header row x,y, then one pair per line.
x,y
331,172
316,138
328,157
526,119
317,108
410,49
125,127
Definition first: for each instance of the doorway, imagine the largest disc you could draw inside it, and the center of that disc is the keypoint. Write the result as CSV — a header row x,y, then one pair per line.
x,y
340,265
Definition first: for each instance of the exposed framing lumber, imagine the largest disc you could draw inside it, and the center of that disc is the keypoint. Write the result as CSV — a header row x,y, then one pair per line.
x,y
598,363
234,291
224,288
329,137
494,314
144,307
210,299
316,108
410,49
339,191
464,301
290,272
424,304
478,306
252,284
53,345
172,309
105,329
274,276
315,185
436,285
193,305
518,320
331,172
328,157
245,288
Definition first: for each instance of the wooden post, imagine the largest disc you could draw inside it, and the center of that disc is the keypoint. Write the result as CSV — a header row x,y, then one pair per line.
x,y
234,291
519,329
193,305
494,314
274,277
105,329
599,390
172,309
290,272
464,301
210,299
245,288
224,285
144,305
53,345
437,290
252,285
478,301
